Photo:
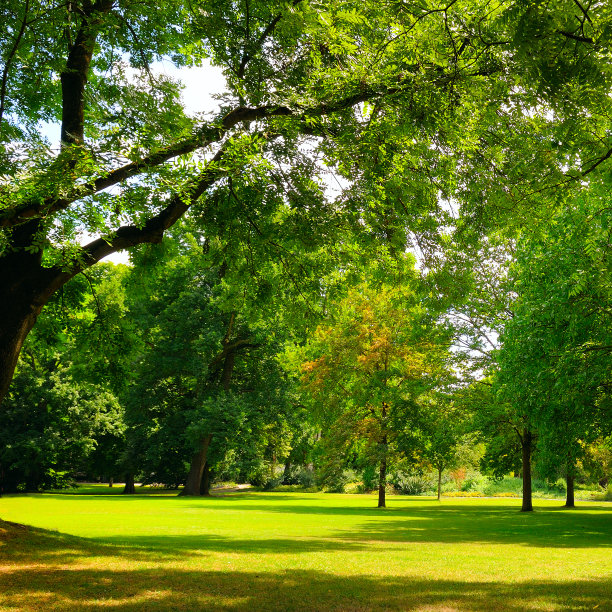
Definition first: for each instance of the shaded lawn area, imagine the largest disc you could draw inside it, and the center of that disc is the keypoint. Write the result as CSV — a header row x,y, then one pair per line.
x,y
271,551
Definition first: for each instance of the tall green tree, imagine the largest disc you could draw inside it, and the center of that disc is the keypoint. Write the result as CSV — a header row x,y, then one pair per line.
x,y
555,354
408,101
369,364
62,416
208,372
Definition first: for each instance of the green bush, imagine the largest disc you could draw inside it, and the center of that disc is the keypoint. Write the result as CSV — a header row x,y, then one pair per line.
x,y
410,483
474,482
299,475
338,481
369,478
272,482
508,485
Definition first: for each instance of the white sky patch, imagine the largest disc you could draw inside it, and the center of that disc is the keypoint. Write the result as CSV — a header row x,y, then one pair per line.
x,y
202,84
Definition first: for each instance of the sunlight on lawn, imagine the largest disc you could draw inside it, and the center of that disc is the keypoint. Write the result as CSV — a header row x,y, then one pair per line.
x,y
256,551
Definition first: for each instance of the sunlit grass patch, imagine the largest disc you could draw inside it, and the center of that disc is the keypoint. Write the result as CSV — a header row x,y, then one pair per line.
x,y
290,551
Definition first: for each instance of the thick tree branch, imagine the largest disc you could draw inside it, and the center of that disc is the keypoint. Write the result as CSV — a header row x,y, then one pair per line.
x,y
232,347
74,75
602,159
584,39
153,230
206,135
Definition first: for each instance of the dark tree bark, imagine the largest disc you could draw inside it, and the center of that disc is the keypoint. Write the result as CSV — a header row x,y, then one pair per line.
x,y
26,287
382,484
440,483
206,480
382,475
129,488
569,497
286,471
526,447
74,76
196,469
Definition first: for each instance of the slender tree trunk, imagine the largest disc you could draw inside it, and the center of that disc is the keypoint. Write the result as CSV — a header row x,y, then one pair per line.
x,y
526,446
439,484
196,469
382,476
382,484
129,488
569,498
110,481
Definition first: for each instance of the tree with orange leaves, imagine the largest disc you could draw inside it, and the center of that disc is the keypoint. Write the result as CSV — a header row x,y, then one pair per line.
x,y
367,367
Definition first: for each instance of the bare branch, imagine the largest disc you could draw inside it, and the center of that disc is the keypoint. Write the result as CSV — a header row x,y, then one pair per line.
x,y
584,39
248,55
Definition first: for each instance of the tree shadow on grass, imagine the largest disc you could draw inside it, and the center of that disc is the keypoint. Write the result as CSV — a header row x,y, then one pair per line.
x,y
584,527
304,590
43,570
44,546
589,526
547,528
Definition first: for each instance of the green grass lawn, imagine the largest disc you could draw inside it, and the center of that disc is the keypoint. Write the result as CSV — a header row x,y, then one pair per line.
x,y
292,551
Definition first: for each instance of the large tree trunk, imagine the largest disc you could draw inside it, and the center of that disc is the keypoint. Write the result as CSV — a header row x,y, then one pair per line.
x,y
569,498
25,288
196,469
16,323
129,488
206,480
526,446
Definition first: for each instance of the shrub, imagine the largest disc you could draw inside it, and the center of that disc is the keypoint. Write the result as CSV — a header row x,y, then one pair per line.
x,y
410,484
299,475
473,481
272,482
506,486
339,482
370,478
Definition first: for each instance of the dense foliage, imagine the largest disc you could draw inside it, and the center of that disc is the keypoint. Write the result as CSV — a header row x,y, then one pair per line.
x,y
280,327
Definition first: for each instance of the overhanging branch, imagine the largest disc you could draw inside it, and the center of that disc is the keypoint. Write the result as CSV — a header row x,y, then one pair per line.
x,y
206,135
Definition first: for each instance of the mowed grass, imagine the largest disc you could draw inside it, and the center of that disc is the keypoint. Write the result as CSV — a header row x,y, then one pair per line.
x,y
277,551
